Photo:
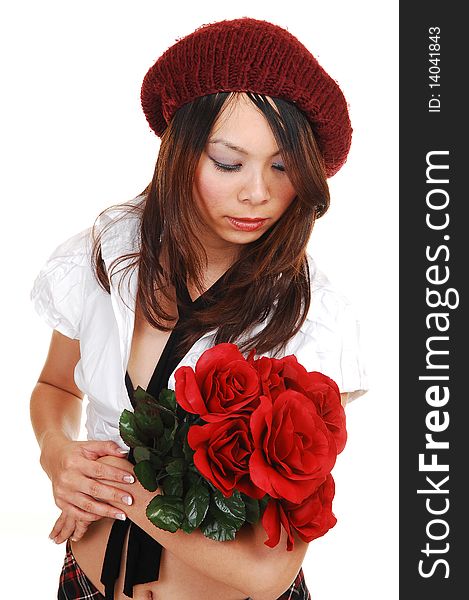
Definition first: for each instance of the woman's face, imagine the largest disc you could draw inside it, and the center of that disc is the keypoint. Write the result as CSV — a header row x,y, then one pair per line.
x,y
240,175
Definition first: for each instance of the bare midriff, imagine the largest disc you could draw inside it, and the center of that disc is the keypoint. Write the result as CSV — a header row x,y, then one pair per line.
x,y
177,580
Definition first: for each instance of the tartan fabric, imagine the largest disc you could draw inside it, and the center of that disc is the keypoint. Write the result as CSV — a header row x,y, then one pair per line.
x,y
298,589
75,585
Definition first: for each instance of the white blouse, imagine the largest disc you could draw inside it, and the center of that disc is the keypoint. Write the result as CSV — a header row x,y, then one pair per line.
x,y
67,296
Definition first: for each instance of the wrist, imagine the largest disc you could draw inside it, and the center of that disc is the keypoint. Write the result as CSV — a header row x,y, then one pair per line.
x,y
49,444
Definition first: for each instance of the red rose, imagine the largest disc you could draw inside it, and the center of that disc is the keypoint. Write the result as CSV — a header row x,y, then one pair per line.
x,y
293,448
224,385
279,375
270,375
326,395
310,519
222,452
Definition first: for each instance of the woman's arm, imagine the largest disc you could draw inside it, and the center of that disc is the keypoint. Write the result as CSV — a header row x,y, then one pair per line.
x,y
55,409
246,563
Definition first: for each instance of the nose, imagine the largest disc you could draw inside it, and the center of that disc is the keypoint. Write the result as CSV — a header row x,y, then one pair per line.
x,y
255,188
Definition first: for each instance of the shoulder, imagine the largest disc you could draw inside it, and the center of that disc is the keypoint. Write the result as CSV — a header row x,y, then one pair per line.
x,y
330,310
119,228
60,286
67,279
71,255
329,338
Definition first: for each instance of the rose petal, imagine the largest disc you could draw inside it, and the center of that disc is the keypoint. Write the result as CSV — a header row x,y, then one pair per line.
x,y
271,523
187,391
274,516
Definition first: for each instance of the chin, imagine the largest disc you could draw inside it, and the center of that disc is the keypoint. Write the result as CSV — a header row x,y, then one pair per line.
x,y
243,238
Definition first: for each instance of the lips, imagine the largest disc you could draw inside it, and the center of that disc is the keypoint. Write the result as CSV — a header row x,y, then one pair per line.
x,y
246,224
247,220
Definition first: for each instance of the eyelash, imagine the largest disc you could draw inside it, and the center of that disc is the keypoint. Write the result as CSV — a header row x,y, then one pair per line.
x,y
228,168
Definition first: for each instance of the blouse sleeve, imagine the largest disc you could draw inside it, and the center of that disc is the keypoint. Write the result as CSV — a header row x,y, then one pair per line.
x,y
329,340
58,290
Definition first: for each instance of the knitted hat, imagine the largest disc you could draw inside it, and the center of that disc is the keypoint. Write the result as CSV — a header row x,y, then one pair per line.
x,y
249,55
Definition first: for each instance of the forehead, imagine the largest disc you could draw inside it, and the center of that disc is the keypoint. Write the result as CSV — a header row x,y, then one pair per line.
x,y
241,123
241,102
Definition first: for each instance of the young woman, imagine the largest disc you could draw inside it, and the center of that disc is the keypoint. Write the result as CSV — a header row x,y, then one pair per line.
x,y
214,250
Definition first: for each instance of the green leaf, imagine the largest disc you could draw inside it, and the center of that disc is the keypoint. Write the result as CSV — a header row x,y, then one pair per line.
x,y
166,512
173,486
128,430
148,421
180,440
168,417
141,453
165,442
156,460
190,477
221,524
215,528
153,415
176,467
176,450
232,507
194,469
140,394
188,452
252,509
186,527
167,398
218,532
196,503
146,475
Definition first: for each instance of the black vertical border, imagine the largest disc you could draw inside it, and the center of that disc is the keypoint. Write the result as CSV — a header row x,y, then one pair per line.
x,y
421,132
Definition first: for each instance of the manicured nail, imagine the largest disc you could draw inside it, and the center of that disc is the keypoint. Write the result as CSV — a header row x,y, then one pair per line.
x,y
120,516
128,478
127,500
122,451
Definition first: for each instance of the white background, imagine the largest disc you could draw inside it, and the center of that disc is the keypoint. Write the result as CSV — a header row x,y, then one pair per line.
x,y
74,140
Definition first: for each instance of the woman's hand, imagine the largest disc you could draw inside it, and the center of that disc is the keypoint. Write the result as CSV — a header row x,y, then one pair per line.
x,y
82,486
67,526
141,496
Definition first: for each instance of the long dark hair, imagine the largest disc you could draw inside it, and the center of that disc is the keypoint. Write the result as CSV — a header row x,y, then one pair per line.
x,y
269,281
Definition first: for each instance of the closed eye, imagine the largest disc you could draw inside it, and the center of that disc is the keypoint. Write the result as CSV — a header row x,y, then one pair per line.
x,y
226,168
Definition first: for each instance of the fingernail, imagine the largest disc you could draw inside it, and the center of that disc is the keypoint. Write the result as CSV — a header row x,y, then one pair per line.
x,y
128,478
121,516
127,500
73,539
122,451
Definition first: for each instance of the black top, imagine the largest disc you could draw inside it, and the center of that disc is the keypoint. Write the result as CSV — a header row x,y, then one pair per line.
x,y
143,551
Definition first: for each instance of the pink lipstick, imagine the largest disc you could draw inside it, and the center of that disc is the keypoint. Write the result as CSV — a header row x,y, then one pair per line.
x,y
247,224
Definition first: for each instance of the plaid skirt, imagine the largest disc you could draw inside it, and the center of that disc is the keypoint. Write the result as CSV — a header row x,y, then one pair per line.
x,y
75,585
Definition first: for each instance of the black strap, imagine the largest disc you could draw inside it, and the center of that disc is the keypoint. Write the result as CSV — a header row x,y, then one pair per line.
x,y
143,559
112,557
143,556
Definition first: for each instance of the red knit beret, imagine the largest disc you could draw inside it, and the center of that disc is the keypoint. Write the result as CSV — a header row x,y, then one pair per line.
x,y
248,54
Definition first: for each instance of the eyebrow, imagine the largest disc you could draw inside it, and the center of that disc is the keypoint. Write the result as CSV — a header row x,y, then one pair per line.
x,y
234,147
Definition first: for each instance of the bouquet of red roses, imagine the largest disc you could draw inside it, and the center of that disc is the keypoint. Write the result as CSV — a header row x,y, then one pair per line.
x,y
240,439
